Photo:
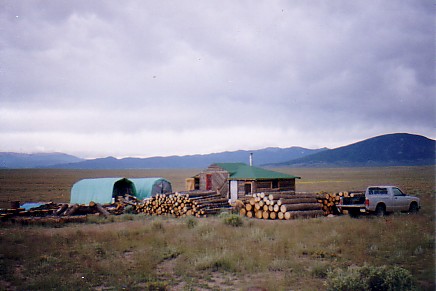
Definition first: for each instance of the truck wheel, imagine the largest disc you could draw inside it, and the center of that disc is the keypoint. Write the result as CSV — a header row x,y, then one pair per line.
x,y
380,210
413,208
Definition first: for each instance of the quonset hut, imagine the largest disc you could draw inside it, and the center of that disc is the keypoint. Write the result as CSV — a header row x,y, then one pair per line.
x,y
234,180
102,190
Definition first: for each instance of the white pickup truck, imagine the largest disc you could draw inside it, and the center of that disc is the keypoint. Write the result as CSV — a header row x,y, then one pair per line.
x,y
380,200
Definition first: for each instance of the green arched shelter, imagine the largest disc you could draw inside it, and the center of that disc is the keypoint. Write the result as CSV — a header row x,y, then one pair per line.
x,y
102,190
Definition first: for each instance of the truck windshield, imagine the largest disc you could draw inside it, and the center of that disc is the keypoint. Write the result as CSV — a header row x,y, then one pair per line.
x,y
397,192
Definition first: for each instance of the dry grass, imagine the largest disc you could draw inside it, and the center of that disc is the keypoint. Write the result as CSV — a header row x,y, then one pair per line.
x,y
158,253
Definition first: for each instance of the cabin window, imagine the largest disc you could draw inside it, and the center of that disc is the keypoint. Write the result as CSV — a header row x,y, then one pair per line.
x,y
275,184
247,188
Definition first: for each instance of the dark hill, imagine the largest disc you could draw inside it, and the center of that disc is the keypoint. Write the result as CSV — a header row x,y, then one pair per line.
x,y
399,149
20,160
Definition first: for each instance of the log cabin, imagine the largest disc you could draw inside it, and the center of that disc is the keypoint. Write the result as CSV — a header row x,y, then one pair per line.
x,y
235,180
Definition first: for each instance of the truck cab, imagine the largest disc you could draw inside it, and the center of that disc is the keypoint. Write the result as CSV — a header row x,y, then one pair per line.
x,y
380,200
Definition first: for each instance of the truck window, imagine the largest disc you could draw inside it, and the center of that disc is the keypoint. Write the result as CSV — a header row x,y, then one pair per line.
x,y
378,191
397,192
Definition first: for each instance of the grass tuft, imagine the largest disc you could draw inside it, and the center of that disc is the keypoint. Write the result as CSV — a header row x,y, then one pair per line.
x,y
370,278
232,219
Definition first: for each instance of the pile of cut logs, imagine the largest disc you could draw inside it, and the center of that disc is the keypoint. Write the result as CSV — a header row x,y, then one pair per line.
x,y
330,200
272,205
281,205
52,213
191,203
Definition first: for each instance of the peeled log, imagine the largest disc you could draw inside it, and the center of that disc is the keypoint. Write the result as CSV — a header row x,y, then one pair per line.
x,y
102,210
265,214
72,209
61,209
280,195
300,206
277,196
296,200
199,193
303,214
276,208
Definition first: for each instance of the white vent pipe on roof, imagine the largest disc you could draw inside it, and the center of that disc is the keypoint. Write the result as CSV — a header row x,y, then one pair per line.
x,y
251,159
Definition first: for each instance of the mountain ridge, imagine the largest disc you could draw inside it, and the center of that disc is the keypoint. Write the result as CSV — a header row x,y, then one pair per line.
x,y
396,149
36,160
261,156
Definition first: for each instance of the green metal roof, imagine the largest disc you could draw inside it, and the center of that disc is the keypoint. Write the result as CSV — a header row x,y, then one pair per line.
x,y
241,171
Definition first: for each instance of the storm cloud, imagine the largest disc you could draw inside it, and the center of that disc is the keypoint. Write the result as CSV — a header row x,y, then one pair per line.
x,y
146,78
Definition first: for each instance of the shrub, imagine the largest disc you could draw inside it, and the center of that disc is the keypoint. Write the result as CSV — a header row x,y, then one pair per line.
x,y
157,225
233,220
370,278
191,222
320,271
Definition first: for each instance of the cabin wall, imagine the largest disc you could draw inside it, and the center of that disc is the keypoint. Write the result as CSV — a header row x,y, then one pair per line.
x,y
215,179
265,186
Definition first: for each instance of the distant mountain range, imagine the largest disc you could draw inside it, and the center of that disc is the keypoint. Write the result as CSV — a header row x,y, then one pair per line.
x,y
19,161
263,156
399,149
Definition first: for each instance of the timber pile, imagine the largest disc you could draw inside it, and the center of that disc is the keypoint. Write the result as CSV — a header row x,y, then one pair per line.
x,y
16,211
191,203
330,200
52,213
123,205
282,205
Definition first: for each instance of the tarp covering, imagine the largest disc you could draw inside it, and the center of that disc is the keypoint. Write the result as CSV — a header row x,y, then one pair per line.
x,y
102,190
148,187
29,205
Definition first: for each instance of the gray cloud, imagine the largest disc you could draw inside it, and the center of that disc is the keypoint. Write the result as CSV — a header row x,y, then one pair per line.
x,y
229,75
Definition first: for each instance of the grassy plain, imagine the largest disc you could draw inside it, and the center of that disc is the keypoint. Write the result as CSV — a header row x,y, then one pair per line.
x,y
161,253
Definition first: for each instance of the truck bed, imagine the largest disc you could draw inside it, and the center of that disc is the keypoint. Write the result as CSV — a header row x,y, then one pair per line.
x,y
357,198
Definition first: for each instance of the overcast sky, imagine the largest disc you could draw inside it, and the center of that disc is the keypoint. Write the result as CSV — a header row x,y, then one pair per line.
x,y
147,78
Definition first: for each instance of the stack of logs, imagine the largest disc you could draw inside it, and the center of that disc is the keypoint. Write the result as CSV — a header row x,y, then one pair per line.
x,y
272,205
52,213
281,205
192,203
330,200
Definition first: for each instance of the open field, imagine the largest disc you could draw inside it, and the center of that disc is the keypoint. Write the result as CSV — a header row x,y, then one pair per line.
x,y
158,253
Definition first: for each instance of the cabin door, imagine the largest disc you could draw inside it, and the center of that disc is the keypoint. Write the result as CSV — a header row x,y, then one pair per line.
x,y
208,181
233,191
